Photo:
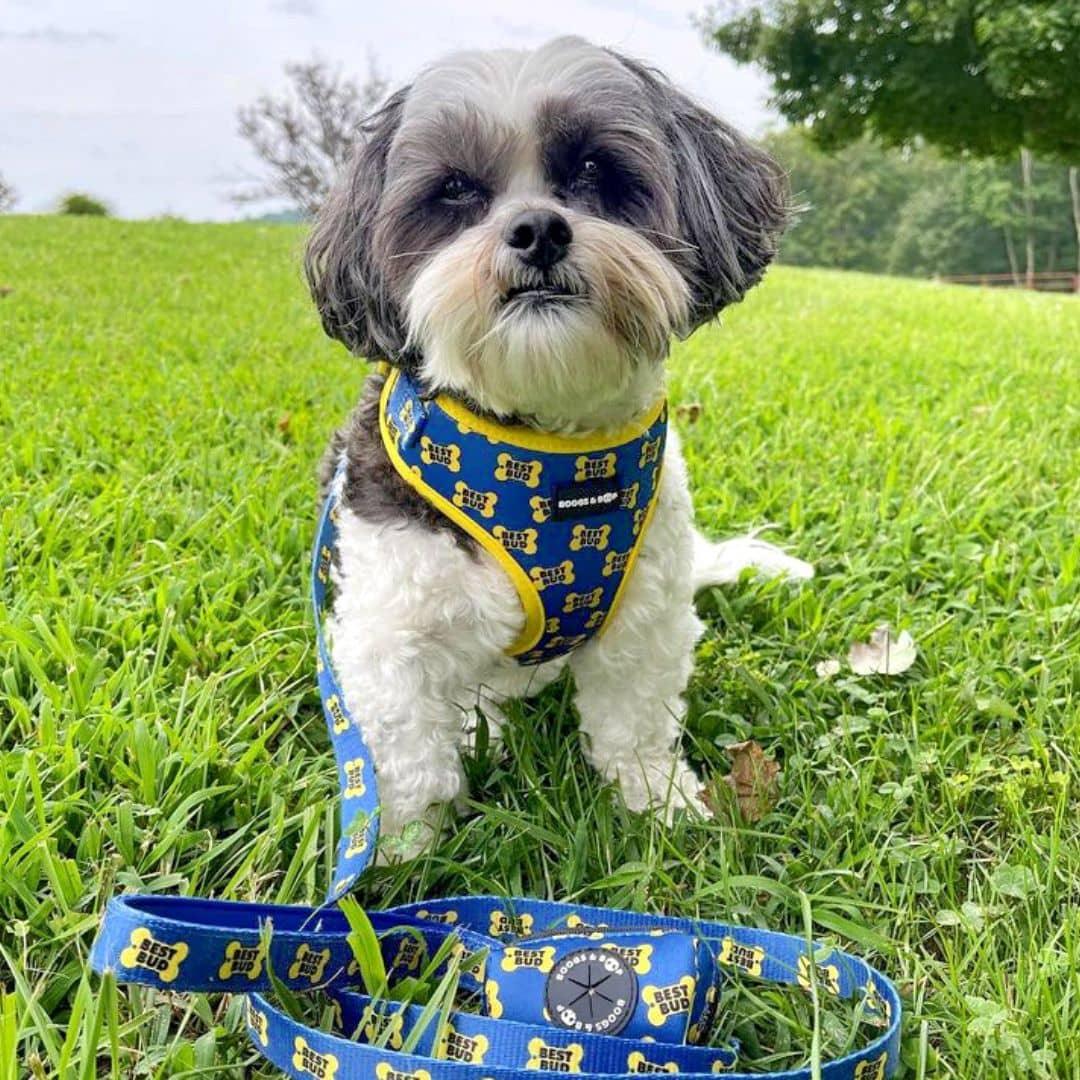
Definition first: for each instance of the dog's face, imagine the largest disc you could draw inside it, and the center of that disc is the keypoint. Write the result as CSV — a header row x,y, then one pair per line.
x,y
527,229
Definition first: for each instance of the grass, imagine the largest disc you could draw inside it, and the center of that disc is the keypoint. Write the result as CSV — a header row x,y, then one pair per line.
x,y
166,393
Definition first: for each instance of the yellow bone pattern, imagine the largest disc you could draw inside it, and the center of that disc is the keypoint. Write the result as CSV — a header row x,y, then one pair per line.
x,y
637,1062
523,540
828,976
241,959
650,452
339,721
502,923
639,957
358,842
160,957
446,454
483,502
509,468
743,957
541,508
375,1025
354,778
545,576
326,558
410,953
309,963
576,601
458,1047
543,1055
595,468
542,960
615,562
589,536
258,1023
307,1059
385,1071
872,1070
670,1000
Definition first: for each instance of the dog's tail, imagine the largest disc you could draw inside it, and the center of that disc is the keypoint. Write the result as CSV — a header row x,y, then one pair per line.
x,y
722,563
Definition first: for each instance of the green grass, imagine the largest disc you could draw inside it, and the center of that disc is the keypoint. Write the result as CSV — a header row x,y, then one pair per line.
x,y
166,393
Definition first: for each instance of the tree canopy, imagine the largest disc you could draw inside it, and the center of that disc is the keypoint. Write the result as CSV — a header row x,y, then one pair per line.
x,y
79,203
918,212
985,76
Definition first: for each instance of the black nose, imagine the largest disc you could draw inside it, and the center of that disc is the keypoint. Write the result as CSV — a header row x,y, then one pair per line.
x,y
541,237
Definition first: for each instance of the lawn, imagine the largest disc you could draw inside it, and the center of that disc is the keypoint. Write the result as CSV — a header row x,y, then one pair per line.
x,y
166,394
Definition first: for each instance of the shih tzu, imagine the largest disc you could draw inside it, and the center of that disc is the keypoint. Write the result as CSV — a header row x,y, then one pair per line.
x,y
519,236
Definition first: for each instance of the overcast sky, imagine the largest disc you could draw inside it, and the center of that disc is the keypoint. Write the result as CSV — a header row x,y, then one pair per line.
x,y
135,100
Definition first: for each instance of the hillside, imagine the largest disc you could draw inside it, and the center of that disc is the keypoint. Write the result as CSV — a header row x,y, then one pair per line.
x,y
166,395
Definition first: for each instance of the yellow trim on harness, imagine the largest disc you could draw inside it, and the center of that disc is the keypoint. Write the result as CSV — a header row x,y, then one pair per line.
x,y
528,439
534,610
516,436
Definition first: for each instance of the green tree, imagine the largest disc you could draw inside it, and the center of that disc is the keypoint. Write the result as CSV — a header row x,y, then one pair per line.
x,y
991,78
79,202
915,211
985,76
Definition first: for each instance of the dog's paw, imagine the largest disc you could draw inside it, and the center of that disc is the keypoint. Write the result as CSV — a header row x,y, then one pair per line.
x,y
723,563
665,789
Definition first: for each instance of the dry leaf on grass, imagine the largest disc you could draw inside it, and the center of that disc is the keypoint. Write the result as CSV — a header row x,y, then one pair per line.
x,y
6,290
826,669
753,779
883,654
690,412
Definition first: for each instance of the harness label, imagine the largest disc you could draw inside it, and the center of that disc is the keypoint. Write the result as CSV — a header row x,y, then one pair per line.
x,y
585,499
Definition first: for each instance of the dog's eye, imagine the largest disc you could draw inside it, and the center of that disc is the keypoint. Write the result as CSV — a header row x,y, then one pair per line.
x,y
458,188
588,173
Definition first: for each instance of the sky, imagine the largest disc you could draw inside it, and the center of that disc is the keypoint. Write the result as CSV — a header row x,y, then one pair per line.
x,y
134,101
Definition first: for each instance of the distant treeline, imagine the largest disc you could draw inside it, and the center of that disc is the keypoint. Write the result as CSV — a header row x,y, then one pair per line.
x,y
919,213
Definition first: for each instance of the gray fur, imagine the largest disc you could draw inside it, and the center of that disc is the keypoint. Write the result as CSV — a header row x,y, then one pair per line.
x,y
733,198
345,274
704,197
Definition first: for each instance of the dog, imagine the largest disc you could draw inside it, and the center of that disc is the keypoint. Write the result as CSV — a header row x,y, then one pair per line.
x,y
522,233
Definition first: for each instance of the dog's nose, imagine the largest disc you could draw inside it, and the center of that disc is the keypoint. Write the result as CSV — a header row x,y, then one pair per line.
x,y
540,237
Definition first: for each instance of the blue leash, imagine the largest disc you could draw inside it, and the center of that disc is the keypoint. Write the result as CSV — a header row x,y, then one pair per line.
x,y
562,987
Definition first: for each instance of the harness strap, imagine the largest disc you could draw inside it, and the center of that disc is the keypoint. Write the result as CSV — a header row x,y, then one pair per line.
x,y
563,516
655,979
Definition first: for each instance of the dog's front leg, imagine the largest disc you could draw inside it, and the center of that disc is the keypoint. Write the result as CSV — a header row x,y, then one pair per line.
x,y
630,681
417,622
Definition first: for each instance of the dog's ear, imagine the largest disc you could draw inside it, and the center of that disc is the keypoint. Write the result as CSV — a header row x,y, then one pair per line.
x,y
341,264
732,198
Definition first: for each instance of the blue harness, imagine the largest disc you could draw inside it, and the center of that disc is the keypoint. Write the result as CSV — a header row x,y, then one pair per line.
x,y
564,987
563,516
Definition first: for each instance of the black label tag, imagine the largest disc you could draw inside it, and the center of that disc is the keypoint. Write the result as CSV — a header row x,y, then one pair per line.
x,y
586,499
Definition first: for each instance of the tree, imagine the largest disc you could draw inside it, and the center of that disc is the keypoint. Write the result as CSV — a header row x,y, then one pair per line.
x,y
305,136
7,195
916,211
79,203
984,76
992,78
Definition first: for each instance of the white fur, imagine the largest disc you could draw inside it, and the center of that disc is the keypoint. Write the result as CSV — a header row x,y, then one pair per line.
x,y
419,632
